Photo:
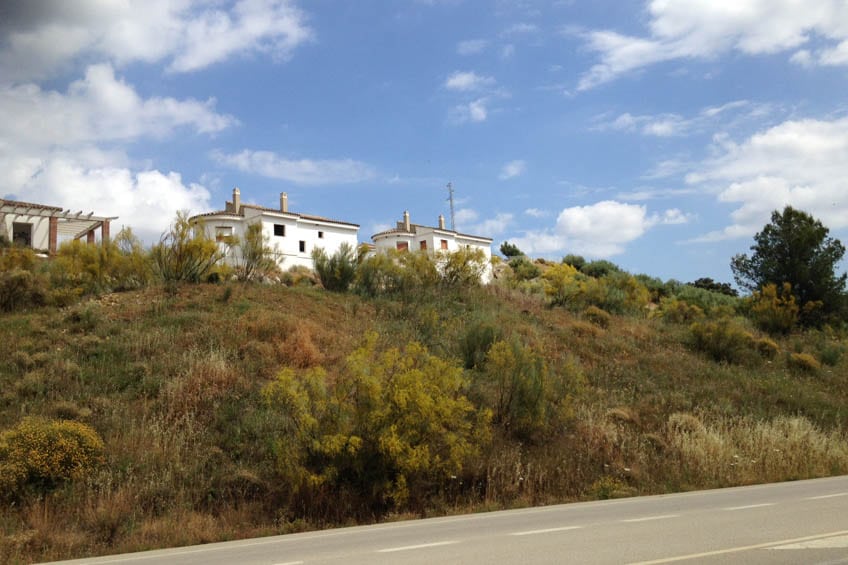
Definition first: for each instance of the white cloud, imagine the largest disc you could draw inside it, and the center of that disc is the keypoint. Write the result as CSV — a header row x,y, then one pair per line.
x,y
474,111
729,115
41,37
66,149
521,28
708,28
99,107
465,216
471,46
467,222
464,81
536,213
301,171
798,162
598,230
513,169
147,201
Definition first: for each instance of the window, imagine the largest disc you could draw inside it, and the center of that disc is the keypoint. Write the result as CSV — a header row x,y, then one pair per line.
x,y
320,235
444,244
22,233
279,230
423,245
402,246
303,247
222,233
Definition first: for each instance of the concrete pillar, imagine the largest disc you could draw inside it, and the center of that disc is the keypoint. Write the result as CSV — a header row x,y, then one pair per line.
x,y
104,231
406,224
53,235
441,222
284,202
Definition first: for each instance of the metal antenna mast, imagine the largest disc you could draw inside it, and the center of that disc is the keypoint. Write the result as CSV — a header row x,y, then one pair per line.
x,y
450,198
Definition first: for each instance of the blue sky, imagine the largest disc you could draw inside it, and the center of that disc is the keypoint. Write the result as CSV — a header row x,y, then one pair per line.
x,y
659,135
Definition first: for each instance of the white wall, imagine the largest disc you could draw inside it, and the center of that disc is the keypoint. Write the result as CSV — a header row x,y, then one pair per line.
x,y
40,229
286,247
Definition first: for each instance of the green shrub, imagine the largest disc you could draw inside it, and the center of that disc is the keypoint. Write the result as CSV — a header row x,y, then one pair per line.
x,y
576,261
831,353
772,310
597,316
253,257
723,340
336,272
476,343
45,453
678,311
711,303
523,269
185,253
600,268
21,289
114,265
462,268
803,362
527,399
392,427
767,348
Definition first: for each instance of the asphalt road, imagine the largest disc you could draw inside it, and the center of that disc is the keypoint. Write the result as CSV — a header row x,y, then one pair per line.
x,y
798,522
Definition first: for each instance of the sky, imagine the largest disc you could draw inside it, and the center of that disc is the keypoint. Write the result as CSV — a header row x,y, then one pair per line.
x,y
658,135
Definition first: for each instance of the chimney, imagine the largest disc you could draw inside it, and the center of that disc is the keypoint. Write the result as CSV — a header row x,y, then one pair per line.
x,y
284,202
406,225
236,200
441,222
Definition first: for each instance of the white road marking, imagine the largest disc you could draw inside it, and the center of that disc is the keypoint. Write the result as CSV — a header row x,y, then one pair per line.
x,y
732,508
827,496
739,549
836,542
545,531
419,546
649,518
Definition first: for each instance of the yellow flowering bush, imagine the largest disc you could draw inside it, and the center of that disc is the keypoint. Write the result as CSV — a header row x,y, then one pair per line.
x,y
47,452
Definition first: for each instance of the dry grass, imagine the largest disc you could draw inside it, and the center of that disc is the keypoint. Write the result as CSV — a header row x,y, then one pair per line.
x,y
171,383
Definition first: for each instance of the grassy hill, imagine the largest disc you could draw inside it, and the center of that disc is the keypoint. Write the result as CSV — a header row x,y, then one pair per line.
x,y
237,410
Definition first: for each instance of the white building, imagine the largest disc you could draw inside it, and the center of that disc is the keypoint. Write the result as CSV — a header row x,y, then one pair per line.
x,y
408,236
42,227
292,236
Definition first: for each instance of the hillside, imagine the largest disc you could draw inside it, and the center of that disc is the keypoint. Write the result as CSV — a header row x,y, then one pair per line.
x,y
236,410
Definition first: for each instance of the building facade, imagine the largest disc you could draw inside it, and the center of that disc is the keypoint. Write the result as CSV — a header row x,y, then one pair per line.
x,y
411,237
41,227
291,236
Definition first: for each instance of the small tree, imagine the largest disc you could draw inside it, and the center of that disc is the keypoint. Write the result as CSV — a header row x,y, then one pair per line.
x,y
510,250
185,253
254,257
337,271
795,248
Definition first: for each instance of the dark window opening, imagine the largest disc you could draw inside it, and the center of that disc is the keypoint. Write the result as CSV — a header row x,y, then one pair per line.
x,y
22,234
320,235
402,246
423,245
279,230
303,247
444,244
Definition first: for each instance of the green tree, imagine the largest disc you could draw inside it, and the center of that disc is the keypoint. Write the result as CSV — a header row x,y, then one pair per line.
x,y
509,250
185,253
254,257
795,248
338,270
